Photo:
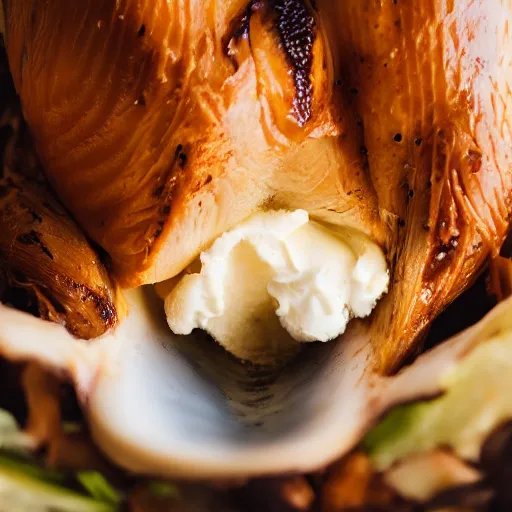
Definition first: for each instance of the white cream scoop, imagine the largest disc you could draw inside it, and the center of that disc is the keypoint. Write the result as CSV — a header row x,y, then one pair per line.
x,y
275,280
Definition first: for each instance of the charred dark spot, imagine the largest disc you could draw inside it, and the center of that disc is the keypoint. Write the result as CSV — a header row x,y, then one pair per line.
x,y
297,32
142,30
33,238
401,223
141,101
475,161
182,160
354,91
397,137
418,141
364,150
411,193
208,179
103,305
107,311
338,83
179,147
46,251
166,210
159,191
35,216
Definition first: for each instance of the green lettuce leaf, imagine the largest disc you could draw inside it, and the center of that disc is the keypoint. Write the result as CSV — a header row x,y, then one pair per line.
x,y
24,487
27,486
477,399
98,487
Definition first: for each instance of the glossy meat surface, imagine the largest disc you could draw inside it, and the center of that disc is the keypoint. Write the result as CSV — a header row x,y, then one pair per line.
x,y
163,123
434,95
47,265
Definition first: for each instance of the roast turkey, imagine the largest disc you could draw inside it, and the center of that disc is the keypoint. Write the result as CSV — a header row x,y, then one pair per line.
x,y
163,123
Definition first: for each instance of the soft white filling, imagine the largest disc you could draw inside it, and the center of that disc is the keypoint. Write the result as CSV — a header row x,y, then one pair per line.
x,y
279,266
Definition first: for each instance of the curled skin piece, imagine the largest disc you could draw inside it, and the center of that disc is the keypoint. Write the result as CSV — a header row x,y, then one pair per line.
x,y
42,251
163,124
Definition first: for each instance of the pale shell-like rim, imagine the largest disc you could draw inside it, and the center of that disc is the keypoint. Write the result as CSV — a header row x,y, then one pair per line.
x,y
331,410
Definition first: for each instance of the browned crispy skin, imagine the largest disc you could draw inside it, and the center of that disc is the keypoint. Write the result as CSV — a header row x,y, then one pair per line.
x,y
42,250
434,83
163,123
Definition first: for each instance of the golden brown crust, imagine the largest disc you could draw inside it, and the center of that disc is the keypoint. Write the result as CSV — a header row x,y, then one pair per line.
x,y
162,124
42,250
433,81
149,113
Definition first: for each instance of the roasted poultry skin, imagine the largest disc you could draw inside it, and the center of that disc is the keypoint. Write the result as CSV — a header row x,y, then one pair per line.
x,y
434,85
161,124
47,265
